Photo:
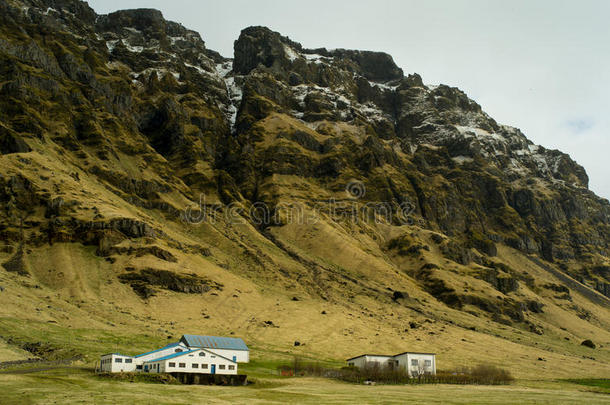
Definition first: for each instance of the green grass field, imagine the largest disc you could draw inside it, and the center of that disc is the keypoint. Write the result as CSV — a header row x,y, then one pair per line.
x,y
81,386
596,384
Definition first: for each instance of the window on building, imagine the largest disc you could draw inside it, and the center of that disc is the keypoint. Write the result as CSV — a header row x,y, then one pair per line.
x,y
414,362
146,367
139,367
171,365
350,364
195,365
118,360
213,357
231,367
128,360
221,366
202,353
182,365
204,366
428,363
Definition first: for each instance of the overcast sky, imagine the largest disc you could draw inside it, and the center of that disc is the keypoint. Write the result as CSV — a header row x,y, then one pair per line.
x,y
542,66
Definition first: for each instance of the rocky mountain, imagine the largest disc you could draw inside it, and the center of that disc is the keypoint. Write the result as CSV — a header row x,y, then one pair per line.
x,y
140,167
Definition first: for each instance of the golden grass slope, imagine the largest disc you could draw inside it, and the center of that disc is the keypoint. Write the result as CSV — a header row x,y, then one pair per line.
x,y
341,274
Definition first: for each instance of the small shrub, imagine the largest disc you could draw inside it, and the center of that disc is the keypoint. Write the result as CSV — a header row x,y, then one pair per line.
x,y
492,375
374,372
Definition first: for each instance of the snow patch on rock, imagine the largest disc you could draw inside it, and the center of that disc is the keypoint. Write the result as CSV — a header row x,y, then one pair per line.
x,y
291,53
234,91
131,48
111,44
462,159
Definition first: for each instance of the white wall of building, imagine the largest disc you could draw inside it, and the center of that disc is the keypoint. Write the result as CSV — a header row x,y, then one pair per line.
x,y
117,363
201,361
241,356
416,363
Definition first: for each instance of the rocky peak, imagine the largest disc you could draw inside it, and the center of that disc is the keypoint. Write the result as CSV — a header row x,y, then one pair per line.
x,y
261,46
363,86
375,66
145,29
72,16
76,8
140,19
150,23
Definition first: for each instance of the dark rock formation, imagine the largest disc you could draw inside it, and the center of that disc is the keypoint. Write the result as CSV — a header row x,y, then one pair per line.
x,y
144,280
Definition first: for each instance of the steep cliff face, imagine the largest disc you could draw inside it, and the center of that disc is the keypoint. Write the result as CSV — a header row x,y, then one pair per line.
x,y
326,173
495,181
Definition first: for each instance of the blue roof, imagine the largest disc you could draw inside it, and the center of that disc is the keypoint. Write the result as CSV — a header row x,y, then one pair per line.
x,y
171,356
158,350
214,342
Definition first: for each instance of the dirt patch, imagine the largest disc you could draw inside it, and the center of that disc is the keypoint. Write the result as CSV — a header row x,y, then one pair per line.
x,y
17,264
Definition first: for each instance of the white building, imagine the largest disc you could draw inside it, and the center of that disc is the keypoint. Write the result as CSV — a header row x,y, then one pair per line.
x,y
116,363
231,348
414,363
417,363
200,361
215,355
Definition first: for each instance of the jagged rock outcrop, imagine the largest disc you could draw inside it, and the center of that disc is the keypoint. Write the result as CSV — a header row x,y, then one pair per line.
x,y
144,280
112,125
